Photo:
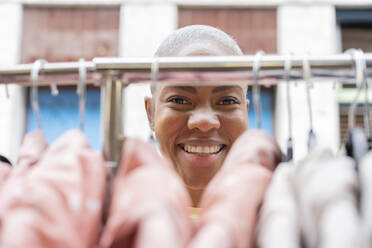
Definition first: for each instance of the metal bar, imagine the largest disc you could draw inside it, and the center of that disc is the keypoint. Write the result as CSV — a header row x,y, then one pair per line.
x,y
112,124
231,63
195,63
49,68
338,67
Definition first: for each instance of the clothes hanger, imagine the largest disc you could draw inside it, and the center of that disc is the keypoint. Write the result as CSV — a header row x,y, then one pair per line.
x,y
287,76
311,140
356,144
256,87
154,79
81,91
37,65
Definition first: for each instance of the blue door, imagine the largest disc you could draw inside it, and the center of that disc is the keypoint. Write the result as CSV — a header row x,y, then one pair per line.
x,y
267,113
61,113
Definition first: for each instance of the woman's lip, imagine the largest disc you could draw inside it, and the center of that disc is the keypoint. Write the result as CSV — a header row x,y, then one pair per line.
x,y
202,142
202,159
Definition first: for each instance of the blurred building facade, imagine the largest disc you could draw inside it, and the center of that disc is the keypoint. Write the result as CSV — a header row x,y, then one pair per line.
x,y
66,30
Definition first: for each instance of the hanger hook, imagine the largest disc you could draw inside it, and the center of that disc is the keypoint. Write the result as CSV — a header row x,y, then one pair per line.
x,y
256,87
81,91
309,84
287,77
357,56
37,65
366,116
154,79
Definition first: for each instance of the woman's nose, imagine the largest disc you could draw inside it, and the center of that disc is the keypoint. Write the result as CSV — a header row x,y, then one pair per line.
x,y
204,120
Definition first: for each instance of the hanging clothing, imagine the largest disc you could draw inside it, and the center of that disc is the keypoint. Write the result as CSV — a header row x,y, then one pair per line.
x,y
149,205
5,170
327,188
365,175
33,146
58,202
232,199
279,224
31,150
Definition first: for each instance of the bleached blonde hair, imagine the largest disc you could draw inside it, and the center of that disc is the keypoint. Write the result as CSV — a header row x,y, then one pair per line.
x,y
196,34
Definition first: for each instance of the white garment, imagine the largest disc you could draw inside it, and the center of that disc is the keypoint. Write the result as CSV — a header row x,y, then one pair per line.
x,y
365,177
326,189
278,224
315,200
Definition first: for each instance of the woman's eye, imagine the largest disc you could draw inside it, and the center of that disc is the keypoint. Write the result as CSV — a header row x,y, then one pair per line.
x,y
178,100
228,101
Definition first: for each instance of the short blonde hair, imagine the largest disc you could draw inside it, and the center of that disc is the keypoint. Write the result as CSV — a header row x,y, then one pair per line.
x,y
194,34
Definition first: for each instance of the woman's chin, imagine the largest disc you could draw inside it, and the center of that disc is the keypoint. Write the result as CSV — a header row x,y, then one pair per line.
x,y
198,180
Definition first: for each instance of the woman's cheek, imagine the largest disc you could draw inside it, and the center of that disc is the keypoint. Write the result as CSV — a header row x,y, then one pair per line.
x,y
234,124
168,126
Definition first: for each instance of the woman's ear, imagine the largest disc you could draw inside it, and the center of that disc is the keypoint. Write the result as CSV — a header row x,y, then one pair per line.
x,y
247,104
150,111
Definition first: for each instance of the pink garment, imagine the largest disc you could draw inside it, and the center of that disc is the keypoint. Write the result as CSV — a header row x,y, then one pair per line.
x,y
57,202
5,170
149,205
232,199
32,148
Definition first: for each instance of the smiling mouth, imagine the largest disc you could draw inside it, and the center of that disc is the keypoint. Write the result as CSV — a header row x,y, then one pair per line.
x,y
202,150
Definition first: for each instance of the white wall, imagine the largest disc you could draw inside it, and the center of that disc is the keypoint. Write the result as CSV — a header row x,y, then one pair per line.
x,y
12,110
302,29
142,28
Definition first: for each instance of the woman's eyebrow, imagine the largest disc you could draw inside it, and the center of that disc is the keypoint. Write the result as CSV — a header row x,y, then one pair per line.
x,y
184,88
223,88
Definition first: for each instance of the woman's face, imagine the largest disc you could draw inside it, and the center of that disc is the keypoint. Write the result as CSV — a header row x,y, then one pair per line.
x,y
196,127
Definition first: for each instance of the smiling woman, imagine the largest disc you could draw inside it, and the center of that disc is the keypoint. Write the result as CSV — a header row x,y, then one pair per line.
x,y
197,125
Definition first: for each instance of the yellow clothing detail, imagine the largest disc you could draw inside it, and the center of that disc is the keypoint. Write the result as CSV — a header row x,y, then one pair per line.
x,y
195,215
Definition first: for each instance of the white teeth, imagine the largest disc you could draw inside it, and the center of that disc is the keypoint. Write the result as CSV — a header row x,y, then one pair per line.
x,y
202,149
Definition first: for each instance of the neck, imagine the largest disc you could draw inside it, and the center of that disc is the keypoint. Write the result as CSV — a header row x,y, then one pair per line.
x,y
196,195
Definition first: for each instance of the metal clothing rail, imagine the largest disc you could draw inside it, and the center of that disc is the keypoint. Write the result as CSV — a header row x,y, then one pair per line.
x,y
336,66
196,63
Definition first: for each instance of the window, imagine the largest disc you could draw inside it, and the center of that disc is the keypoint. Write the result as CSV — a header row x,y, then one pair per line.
x,y
68,34
356,32
253,28
61,113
